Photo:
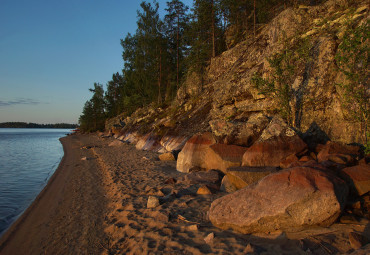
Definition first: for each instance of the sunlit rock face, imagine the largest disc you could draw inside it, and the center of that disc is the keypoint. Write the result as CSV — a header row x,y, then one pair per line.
x,y
276,143
287,200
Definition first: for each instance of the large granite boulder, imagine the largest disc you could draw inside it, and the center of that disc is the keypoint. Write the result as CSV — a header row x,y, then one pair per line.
x,y
241,177
202,151
287,200
358,178
194,151
277,142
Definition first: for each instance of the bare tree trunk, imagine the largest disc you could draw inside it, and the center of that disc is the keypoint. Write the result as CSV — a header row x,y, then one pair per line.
x,y
254,18
213,31
160,77
177,54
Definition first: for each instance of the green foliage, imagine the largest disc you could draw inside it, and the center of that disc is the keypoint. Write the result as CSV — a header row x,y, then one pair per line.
x,y
353,60
93,114
286,65
161,51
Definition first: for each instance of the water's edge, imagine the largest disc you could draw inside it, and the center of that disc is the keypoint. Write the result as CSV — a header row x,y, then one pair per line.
x,y
18,219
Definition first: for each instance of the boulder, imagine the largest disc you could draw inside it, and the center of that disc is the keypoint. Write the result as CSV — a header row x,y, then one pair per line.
x,y
287,200
358,178
148,143
202,152
173,143
276,143
223,156
194,151
338,153
241,177
167,157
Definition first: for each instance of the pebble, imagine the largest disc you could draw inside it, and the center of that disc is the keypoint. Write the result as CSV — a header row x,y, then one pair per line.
x,y
152,202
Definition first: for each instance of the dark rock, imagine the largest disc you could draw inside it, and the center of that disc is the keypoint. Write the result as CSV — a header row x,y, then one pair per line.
x,y
170,181
358,178
208,177
338,153
357,240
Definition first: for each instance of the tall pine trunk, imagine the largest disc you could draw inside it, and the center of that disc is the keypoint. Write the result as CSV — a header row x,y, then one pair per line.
x,y
160,76
213,31
254,18
177,53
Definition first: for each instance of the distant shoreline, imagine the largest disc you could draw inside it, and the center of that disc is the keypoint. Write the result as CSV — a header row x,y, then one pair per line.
x,y
35,125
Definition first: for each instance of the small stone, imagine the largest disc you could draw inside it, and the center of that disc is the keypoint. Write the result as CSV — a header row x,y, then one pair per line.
x,y
209,238
152,202
193,227
204,190
167,157
356,240
249,249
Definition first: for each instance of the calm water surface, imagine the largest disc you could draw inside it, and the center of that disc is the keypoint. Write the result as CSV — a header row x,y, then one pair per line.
x,y
28,158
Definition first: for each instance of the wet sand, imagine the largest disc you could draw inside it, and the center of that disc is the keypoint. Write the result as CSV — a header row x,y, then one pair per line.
x,y
99,206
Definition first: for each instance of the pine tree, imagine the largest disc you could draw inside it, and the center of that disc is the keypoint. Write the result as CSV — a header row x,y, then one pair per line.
x,y
176,22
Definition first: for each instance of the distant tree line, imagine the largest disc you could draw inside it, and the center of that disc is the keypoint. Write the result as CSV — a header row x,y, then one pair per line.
x,y
35,125
162,50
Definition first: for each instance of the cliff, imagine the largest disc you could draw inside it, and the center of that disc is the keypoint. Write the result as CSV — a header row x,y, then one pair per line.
x,y
298,49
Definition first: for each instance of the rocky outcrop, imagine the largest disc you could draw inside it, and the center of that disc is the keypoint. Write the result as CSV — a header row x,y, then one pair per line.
x,y
237,132
287,200
276,143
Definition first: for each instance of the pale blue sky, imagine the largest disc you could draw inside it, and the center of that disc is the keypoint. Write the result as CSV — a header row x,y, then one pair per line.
x,y
52,52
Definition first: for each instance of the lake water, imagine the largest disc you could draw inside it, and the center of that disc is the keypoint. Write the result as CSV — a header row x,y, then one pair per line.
x,y
28,158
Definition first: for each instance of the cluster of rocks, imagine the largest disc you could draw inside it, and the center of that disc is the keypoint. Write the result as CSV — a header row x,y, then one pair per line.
x,y
278,182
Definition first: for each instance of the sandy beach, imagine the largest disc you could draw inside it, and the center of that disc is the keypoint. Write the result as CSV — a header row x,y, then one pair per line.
x,y
96,203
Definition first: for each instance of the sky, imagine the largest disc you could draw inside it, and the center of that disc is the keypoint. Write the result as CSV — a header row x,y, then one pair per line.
x,y
52,52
